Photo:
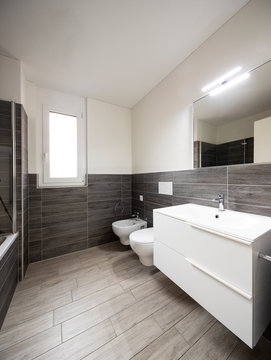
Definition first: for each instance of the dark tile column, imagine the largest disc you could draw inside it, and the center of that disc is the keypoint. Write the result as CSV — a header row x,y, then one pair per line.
x,y
22,186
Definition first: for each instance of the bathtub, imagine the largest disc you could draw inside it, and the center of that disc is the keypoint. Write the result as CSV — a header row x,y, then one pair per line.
x,y
5,243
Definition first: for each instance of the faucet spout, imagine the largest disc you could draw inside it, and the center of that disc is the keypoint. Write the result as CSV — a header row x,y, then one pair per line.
x,y
220,200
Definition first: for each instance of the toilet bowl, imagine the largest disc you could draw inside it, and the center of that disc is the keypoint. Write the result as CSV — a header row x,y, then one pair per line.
x,y
141,242
123,228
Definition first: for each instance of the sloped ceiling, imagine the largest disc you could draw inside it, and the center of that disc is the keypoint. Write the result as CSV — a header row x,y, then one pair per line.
x,y
112,50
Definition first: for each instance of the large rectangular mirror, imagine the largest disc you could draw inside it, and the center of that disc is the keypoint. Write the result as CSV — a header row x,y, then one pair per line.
x,y
234,126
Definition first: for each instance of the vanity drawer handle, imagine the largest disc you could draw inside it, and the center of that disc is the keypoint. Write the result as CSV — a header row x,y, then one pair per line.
x,y
220,234
265,257
217,278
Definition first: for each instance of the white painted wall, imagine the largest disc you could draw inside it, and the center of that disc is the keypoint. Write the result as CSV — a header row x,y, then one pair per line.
x,y
23,85
33,136
262,144
235,130
206,132
162,121
109,138
36,97
108,130
10,79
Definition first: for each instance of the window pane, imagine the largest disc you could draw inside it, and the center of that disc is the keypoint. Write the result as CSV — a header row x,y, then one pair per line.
x,y
62,145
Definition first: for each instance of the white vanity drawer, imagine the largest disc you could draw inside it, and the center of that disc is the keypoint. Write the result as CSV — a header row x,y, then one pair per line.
x,y
234,310
225,258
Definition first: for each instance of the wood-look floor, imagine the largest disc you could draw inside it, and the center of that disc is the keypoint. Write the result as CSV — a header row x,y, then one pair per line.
x,y
101,303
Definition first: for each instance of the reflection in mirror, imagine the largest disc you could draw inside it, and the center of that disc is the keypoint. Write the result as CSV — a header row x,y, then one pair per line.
x,y
234,126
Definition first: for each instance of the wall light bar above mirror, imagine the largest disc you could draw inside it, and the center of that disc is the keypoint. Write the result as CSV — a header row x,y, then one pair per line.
x,y
228,84
225,77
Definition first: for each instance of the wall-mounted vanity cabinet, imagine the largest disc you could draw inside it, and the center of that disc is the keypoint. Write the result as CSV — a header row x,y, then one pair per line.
x,y
216,261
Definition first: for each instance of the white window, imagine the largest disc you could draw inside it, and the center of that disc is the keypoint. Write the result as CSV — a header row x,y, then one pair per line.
x,y
64,148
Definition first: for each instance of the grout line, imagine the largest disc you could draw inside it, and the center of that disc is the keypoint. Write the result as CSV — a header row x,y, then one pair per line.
x,y
113,326
61,332
251,185
197,340
227,195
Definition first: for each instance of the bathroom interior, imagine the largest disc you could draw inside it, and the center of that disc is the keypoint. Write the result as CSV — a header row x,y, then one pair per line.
x,y
135,179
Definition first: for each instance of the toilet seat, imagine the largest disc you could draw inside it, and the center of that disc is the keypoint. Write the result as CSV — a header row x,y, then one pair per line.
x,y
144,236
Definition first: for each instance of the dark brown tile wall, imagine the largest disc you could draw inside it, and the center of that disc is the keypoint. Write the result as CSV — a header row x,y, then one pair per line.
x,y
246,188
63,220
9,265
230,153
22,186
5,166
8,278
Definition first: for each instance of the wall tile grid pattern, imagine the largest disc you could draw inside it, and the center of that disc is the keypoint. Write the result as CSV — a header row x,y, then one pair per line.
x,y
63,220
246,188
70,219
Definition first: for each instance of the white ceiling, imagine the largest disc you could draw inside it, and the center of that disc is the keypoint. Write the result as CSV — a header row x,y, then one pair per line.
x,y
112,50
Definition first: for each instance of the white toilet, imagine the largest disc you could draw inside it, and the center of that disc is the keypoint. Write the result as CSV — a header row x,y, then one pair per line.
x,y
141,241
123,228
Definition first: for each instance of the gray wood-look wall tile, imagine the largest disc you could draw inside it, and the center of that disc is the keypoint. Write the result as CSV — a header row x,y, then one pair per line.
x,y
254,174
258,210
63,220
212,175
199,191
250,194
200,186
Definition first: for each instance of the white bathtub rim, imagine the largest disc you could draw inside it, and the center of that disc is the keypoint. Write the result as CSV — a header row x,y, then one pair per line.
x,y
7,244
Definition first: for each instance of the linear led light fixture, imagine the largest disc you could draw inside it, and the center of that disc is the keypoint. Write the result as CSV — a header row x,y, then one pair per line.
x,y
221,79
229,84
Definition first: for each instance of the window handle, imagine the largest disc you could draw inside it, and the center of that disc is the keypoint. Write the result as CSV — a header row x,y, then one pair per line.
x,y
46,155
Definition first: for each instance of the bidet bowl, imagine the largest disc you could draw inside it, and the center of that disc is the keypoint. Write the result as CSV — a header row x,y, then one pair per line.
x,y
123,228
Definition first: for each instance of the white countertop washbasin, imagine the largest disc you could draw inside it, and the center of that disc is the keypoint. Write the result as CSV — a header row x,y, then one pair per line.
x,y
233,223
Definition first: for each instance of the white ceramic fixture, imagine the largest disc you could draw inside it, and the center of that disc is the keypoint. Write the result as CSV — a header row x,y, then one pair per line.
x,y
141,242
217,258
123,228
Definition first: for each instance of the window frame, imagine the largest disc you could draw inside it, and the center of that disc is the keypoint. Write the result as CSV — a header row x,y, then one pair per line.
x,y
81,179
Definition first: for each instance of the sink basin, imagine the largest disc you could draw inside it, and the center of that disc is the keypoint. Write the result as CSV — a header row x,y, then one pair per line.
x,y
237,224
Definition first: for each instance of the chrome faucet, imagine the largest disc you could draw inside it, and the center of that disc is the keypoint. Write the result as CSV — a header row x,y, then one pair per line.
x,y
136,215
220,200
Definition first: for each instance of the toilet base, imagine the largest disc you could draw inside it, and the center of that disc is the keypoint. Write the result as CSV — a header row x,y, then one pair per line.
x,y
146,260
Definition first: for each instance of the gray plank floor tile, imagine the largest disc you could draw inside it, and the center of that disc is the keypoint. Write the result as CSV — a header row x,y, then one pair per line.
x,y
34,346
81,345
125,346
102,303
217,343
262,351
134,314
169,315
87,319
25,330
86,303
171,346
195,324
